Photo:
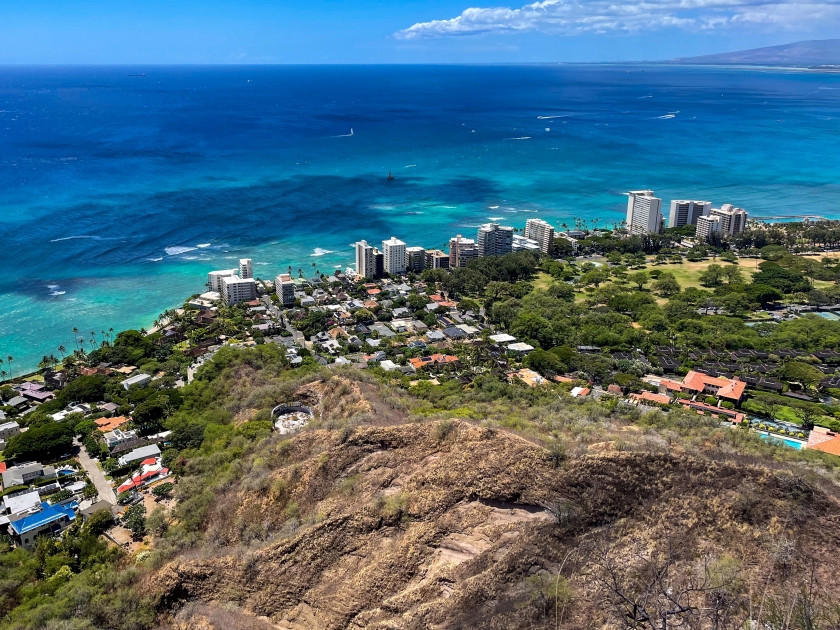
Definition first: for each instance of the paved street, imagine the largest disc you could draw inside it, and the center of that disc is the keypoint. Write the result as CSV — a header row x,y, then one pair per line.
x,y
96,475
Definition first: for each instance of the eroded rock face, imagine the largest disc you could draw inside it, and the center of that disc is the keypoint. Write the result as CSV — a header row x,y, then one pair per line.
x,y
423,526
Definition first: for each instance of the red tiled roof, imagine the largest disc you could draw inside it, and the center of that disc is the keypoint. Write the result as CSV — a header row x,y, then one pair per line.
x,y
660,399
697,382
831,446
109,424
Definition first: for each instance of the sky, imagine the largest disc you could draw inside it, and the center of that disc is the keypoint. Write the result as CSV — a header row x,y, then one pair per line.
x,y
398,31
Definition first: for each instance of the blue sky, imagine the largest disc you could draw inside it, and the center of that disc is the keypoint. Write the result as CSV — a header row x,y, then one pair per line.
x,y
413,31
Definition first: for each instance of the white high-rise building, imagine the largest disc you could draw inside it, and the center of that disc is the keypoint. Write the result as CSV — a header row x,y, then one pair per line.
x,y
236,289
687,212
394,251
644,212
365,260
214,278
494,240
706,226
542,232
732,220
284,286
461,251
246,269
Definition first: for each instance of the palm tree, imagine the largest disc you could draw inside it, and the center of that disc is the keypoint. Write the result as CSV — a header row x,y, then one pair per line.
x,y
75,334
143,331
61,351
300,272
93,337
111,335
9,360
45,362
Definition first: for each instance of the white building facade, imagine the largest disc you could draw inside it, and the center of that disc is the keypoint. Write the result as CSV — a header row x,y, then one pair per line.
x,y
687,212
644,212
394,252
706,226
246,268
494,240
214,278
365,260
732,220
236,289
540,231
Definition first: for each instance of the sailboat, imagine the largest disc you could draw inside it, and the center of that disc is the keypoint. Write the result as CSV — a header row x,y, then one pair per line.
x,y
390,177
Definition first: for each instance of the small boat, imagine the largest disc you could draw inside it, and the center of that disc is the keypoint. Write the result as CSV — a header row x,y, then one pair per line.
x,y
390,177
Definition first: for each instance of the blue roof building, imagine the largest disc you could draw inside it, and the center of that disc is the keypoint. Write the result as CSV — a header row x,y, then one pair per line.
x,y
50,520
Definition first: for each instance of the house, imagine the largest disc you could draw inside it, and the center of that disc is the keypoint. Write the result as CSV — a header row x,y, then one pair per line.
x,y
138,380
520,348
527,376
9,429
144,452
21,504
502,338
579,392
650,397
109,424
383,330
822,439
151,470
49,520
698,383
26,474
18,402
454,333
116,437
435,335
443,359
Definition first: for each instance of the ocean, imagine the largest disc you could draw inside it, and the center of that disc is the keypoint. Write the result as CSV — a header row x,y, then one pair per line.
x,y
120,188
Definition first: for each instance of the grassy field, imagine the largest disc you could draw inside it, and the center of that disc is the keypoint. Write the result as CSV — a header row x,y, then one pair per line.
x,y
688,273
542,281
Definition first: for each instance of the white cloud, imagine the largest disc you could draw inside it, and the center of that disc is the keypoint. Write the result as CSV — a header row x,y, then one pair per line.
x,y
571,17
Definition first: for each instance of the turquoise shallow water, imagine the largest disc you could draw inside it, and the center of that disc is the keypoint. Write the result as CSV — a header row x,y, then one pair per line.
x,y
118,193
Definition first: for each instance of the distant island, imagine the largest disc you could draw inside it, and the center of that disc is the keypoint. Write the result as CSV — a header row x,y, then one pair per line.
x,y
824,52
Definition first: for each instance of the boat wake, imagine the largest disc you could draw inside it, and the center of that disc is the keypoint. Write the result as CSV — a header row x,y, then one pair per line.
x,y
522,138
70,238
665,117
345,135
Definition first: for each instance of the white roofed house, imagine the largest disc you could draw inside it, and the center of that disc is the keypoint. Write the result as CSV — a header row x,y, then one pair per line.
x,y
139,454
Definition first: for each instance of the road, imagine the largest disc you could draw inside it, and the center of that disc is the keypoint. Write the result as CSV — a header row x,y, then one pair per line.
x,y
106,493
297,336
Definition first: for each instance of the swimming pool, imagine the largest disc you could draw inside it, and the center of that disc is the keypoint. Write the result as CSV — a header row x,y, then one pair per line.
x,y
797,444
832,317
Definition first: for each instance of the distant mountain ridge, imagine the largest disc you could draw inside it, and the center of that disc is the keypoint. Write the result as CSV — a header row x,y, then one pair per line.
x,y
808,53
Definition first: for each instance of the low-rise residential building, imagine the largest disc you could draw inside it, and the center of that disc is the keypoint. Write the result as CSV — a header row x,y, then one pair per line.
x,y
50,520
109,424
26,473
520,348
138,380
9,429
527,376
419,363
144,452
520,243
116,437
699,383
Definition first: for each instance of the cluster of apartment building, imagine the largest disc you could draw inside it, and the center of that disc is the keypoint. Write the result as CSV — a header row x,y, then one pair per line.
x,y
492,239
232,285
644,215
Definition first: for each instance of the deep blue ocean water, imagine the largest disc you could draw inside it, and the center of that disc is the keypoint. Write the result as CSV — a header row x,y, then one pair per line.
x,y
118,193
